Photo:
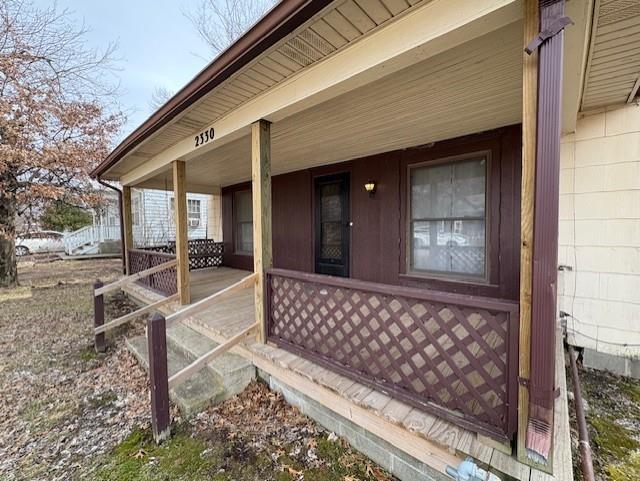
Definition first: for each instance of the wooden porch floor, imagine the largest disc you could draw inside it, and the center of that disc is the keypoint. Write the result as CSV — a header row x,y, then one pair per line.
x,y
430,439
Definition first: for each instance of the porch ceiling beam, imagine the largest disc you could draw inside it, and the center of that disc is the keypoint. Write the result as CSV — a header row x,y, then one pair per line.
x,y
166,184
437,26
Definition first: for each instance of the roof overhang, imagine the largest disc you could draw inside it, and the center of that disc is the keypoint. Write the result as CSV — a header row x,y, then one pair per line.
x,y
280,21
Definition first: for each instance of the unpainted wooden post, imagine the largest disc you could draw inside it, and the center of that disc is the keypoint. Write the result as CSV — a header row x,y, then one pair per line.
x,y
531,28
261,190
159,377
182,241
98,317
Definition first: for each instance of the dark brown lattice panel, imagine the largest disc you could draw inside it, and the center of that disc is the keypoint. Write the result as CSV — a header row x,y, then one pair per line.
x,y
451,354
165,281
203,253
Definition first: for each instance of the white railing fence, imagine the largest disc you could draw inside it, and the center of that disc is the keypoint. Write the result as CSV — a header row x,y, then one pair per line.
x,y
90,235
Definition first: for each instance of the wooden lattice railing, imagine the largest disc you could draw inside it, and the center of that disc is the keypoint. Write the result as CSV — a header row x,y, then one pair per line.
x,y
165,281
450,354
203,253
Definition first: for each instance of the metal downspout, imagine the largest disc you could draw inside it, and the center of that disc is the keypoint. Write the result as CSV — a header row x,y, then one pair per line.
x,y
122,256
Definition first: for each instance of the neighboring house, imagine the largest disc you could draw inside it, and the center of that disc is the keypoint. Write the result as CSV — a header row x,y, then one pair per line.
x,y
393,176
153,224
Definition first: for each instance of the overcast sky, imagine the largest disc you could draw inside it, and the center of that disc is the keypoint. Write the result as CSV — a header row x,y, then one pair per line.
x,y
157,46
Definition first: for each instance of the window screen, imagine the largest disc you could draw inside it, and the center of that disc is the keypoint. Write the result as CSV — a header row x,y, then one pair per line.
x,y
448,218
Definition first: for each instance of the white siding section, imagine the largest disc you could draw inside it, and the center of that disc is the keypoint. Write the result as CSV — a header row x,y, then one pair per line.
x,y
600,231
157,224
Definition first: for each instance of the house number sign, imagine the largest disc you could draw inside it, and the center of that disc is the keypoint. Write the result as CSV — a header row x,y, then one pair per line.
x,y
204,137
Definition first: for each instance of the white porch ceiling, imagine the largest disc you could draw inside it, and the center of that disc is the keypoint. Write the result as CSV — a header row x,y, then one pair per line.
x,y
336,27
473,87
613,70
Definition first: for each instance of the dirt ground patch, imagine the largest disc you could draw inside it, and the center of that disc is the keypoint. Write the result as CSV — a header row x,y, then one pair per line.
x,y
612,409
68,413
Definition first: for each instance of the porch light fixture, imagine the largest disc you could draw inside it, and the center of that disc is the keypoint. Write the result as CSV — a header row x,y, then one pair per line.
x,y
370,187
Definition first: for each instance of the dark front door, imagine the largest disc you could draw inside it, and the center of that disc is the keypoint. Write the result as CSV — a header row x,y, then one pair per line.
x,y
332,225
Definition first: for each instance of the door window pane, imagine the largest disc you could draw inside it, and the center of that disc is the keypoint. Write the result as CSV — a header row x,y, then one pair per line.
x,y
331,222
447,225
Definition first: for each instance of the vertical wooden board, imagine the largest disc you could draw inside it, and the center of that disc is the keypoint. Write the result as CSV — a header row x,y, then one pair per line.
x,y
529,110
127,219
261,192
182,243
158,377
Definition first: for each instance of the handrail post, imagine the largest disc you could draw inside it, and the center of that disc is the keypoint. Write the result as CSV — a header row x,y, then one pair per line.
x,y
98,317
158,377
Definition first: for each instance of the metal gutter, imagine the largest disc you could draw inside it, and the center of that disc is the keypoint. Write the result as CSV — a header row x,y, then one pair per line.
x,y
279,22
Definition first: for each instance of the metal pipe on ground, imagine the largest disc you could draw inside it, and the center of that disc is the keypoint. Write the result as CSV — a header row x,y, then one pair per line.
x,y
586,462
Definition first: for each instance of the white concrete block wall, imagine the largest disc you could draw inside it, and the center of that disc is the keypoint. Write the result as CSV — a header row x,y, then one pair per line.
x,y
599,231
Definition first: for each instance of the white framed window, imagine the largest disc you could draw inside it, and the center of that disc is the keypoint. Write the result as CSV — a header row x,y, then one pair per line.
x,y
243,221
448,218
193,212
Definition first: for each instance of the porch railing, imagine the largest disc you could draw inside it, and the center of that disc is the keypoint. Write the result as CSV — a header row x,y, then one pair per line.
x,y
451,354
203,253
165,281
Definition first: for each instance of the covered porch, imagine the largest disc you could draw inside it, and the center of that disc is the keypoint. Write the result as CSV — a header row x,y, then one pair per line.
x,y
377,171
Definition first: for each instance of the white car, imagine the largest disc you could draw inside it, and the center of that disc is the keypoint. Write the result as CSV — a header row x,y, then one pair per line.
x,y
41,241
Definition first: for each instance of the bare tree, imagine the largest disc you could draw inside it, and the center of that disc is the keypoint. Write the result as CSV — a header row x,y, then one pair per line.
x,y
57,116
222,22
159,97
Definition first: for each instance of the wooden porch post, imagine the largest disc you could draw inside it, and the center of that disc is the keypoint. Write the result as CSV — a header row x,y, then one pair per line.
x,y
127,219
261,189
182,242
529,109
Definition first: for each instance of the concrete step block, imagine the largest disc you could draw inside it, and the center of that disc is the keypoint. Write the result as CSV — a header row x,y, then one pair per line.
x,y
196,393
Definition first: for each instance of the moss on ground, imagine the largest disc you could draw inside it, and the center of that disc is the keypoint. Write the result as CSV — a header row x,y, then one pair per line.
x,y
611,438
613,417
628,471
227,458
138,458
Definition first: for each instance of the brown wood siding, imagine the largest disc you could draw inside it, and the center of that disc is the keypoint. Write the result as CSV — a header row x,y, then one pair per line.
x,y
292,221
378,236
